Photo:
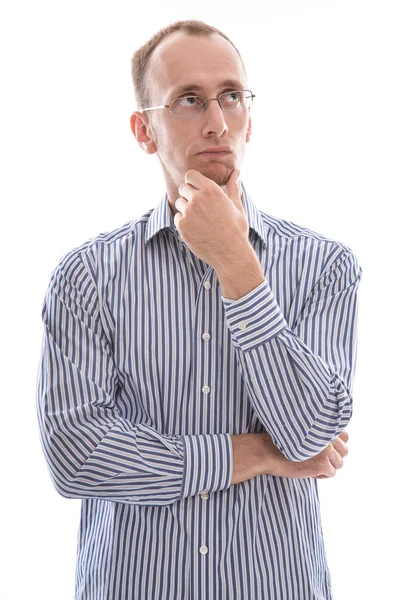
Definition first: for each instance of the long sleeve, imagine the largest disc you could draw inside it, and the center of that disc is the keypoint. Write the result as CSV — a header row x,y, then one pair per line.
x,y
91,451
300,379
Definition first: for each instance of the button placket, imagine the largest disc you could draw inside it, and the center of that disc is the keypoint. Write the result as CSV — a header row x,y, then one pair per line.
x,y
204,494
206,336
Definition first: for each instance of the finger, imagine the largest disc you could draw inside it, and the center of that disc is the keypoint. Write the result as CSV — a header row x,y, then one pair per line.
x,y
344,436
328,471
181,204
196,179
325,476
340,446
186,190
335,459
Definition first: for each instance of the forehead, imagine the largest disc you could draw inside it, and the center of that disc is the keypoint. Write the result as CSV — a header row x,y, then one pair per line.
x,y
206,61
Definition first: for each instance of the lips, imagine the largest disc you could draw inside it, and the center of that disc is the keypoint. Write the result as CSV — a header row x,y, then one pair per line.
x,y
214,155
216,150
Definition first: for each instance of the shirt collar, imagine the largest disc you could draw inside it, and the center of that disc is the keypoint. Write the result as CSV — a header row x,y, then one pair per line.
x,y
162,217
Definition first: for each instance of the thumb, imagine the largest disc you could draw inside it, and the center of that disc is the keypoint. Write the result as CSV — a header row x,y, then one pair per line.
x,y
234,189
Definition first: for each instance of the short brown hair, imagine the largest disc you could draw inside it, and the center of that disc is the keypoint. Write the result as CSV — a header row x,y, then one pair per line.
x,y
141,57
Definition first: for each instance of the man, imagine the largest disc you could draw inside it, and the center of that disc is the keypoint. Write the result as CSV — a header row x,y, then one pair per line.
x,y
198,362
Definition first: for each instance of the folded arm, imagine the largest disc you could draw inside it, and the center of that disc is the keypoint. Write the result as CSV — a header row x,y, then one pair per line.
x,y
299,378
90,449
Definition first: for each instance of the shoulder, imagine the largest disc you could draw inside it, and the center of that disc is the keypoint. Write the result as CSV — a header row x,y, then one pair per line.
x,y
304,243
289,229
101,249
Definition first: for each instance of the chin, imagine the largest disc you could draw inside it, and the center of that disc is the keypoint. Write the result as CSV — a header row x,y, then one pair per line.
x,y
220,176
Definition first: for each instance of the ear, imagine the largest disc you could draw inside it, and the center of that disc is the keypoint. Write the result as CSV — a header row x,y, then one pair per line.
x,y
248,132
141,130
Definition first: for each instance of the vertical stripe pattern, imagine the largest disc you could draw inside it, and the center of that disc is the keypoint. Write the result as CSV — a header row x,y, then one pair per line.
x,y
145,373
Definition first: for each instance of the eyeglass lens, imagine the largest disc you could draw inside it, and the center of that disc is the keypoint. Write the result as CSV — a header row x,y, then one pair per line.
x,y
190,105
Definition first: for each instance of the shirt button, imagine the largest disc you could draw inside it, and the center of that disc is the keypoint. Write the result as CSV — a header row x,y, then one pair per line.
x,y
206,336
203,549
242,324
207,285
204,494
205,389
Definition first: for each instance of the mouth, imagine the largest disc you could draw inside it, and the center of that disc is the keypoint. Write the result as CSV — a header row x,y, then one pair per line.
x,y
214,154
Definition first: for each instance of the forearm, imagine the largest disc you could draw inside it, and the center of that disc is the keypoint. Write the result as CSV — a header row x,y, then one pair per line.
x,y
253,454
241,274
297,368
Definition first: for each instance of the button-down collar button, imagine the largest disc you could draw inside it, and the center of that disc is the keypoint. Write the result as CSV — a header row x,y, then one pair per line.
x,y
204,494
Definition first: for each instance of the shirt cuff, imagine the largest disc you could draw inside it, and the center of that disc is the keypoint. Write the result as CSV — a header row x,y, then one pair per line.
x,y
255,318
208,463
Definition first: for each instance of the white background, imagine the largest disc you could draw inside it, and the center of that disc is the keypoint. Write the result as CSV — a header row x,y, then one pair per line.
x,y
324,154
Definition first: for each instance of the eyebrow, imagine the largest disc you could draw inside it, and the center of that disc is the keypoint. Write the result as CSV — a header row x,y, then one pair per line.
x,y
232,83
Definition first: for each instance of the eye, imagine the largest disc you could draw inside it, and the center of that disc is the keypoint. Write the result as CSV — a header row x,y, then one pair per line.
x,y
191,100
235,95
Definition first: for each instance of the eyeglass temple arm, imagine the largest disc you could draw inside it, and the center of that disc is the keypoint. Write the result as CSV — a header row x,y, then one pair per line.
x,y
153,107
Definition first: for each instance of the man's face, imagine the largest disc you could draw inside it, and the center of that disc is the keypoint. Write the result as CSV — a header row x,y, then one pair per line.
x,y
205,61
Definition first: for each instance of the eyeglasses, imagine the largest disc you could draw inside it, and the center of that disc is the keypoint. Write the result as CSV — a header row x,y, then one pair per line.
x,y
189,106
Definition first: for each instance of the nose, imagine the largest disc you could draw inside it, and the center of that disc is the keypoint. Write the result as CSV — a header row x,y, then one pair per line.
x,y
214,120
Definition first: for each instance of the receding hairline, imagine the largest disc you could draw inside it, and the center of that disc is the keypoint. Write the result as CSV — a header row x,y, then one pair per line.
x,y
143,56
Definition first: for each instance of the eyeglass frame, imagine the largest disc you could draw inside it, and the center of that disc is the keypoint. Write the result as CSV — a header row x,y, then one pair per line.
x,y
207,100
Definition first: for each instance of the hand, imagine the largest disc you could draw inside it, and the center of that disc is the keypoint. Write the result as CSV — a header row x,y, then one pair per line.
x,y
211,222
321,466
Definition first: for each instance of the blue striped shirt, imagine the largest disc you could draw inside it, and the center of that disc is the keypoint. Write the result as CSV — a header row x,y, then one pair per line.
x,y
146,371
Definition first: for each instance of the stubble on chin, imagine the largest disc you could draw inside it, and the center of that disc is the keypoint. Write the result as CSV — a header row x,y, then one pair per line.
x,y
220,178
